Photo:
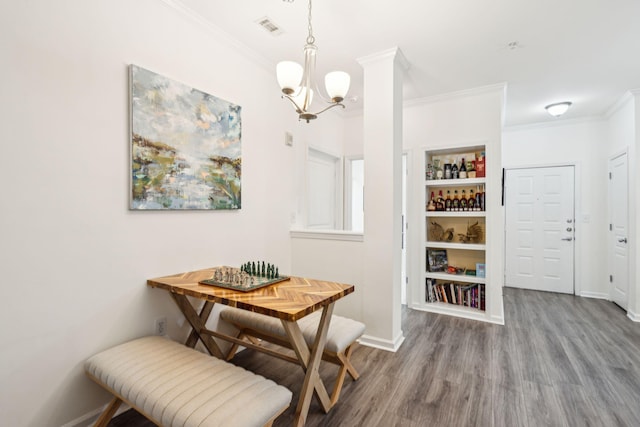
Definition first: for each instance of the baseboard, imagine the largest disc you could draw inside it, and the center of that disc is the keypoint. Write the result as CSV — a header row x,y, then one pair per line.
x,y
633,316
597,295
90,418
382,344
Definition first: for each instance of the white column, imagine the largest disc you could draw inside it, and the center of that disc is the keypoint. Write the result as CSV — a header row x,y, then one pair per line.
x,y
383,75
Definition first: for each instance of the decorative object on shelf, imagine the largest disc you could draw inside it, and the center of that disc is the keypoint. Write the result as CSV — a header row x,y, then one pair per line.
x,y
298,84
439,234
437,260
474,234
481,270
480,165
185,146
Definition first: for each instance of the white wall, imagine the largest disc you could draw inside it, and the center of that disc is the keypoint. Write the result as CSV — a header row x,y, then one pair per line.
x,y
582,143
74,259
340,261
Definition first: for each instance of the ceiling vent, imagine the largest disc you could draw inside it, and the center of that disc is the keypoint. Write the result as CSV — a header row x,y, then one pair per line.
x,y
270,26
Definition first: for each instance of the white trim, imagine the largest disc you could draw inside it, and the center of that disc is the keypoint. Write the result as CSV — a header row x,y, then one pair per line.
x,y
619,104
338,163
393,52
459,311
633,316
344,235
218,33
382,344
453,95
554,123
596,295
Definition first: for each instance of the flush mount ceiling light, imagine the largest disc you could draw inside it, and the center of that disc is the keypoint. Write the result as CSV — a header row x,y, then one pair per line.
x,y
558,109
298,84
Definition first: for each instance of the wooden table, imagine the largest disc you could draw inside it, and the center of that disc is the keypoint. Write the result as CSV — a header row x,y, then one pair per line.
x,y
288,301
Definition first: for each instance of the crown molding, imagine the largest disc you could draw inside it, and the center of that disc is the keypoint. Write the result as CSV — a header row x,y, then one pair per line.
x,y
558,123
454,95
392,53
220,34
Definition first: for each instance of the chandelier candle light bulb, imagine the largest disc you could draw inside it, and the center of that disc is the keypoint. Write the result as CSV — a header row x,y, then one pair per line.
x,y
298,84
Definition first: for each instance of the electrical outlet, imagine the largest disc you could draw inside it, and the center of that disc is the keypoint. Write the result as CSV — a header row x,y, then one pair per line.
x,y
161,326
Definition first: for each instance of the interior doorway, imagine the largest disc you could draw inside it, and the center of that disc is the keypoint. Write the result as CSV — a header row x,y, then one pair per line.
x,y
540,228
403,275
618,230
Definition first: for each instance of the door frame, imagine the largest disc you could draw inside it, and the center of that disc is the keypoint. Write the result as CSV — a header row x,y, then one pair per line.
x,y
624,151
338,162
578,220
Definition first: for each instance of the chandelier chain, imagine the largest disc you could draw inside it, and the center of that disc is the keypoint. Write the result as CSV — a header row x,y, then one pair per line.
x,y
310,38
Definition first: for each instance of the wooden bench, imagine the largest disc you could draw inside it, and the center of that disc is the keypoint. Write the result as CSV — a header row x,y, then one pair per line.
x,y
174,385
341,338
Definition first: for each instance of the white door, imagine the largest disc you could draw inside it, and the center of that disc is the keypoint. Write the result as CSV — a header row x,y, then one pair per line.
x,y
618,231
540,228
403,272
322,190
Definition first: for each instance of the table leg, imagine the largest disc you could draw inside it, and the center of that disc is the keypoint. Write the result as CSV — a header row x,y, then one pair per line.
x,y
204,316
197,324
310,361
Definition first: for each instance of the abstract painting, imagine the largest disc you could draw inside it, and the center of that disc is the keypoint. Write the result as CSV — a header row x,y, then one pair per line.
x,y
185,146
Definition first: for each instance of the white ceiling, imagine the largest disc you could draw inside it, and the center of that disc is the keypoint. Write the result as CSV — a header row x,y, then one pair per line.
x,y
584,51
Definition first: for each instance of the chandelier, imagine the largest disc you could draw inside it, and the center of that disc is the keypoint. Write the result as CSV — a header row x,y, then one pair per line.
x,y
298,84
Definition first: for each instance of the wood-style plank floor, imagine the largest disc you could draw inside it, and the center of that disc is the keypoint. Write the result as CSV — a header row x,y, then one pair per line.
x,y
560,360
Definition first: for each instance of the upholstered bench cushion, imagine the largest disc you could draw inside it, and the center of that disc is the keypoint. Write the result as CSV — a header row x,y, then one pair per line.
x,y
342,331
174,385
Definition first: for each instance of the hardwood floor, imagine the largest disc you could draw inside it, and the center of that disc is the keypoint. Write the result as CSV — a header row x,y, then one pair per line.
x,y
560,360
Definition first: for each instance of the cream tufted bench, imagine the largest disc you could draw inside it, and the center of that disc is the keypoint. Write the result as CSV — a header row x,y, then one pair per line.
x,y
173,385
341,337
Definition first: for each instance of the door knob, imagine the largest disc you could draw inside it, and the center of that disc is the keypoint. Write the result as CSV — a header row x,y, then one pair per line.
x,y
569,221
568,239
623,240
569,229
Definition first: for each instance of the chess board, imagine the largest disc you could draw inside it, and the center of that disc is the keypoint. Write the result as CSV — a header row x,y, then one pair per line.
x,y
260,282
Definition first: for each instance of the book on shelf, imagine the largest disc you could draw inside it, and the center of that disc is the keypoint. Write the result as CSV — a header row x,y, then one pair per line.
x,y
468,295
437,260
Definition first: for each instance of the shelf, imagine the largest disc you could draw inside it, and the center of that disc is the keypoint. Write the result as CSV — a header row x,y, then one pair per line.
x,y
452,310
455,277
478,214
464,246
455,182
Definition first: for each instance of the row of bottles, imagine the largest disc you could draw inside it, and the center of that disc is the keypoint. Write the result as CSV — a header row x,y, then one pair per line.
x,y
457,203
451,170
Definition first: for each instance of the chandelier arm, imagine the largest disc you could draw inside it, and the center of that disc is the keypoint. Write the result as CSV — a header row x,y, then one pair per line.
x,y
298,109
330,107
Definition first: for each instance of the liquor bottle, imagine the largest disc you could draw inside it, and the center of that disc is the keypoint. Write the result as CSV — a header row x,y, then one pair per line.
x,y
437,170
447,171
463,170
455,203
432,203
430,174
463,202
454,171
478,199
482,205
447,202
471,202
440,202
